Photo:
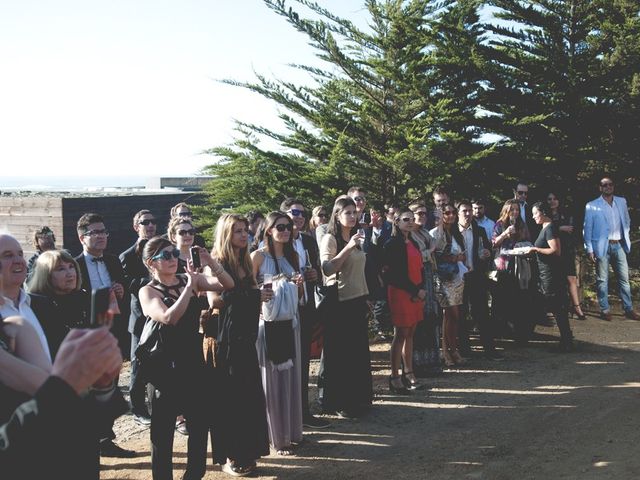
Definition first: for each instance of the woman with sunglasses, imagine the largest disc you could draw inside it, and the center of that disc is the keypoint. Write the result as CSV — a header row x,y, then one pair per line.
x,y
278,342
181,232
426,340
450,258
552,283
239,421
568,253
405,279
172,300
345,386
318,217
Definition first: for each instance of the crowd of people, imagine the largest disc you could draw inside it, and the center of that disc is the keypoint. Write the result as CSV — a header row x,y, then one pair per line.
x,y
221,340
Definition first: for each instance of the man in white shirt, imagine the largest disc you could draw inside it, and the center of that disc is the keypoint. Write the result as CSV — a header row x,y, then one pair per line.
x,y
15,301
479,214
606,240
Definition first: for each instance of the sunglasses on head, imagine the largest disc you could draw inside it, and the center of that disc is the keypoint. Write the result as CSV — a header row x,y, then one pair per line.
x,y
295,212
185,214
149,221
166,254
281,227
191,232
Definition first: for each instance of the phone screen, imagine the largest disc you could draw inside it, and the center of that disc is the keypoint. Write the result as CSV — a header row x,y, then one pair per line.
x,y
99,306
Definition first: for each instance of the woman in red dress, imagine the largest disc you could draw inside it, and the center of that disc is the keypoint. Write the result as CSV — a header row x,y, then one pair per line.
x,y
404,278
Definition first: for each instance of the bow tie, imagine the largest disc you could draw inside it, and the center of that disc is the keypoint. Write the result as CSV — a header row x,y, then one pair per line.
x,y
97,259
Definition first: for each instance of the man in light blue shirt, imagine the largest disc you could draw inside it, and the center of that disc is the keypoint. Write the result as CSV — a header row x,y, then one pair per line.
x,y
482,220
606,240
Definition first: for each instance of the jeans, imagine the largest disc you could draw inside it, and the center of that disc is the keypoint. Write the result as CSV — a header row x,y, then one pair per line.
x,y
618,260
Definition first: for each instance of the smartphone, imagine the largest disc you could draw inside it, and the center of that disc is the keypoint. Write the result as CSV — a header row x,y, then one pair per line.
x,y
195,258
99,306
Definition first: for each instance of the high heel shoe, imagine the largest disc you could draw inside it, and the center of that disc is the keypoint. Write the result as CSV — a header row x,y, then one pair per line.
x,y
448,360
581,315
410,384
457,358
398,390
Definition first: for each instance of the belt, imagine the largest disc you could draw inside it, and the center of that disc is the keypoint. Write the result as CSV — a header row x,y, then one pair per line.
x,y
614,241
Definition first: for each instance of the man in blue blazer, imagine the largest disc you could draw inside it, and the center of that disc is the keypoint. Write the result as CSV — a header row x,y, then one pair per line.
x,y
606,240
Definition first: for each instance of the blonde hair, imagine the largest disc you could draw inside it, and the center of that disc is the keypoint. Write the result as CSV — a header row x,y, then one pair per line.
x,y
223,249
314,214
173,223
40,281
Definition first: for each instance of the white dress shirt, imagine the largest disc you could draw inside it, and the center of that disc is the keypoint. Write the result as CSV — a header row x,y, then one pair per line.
x,y
613,217
467,234
98,273
24,310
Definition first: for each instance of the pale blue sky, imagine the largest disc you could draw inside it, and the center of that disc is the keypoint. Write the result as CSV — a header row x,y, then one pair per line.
x,y
127,86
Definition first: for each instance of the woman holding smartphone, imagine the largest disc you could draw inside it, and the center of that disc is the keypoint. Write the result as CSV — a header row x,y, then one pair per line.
x,y
346,384
278,342
171,299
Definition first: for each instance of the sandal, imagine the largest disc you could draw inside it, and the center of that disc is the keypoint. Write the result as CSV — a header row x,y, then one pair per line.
x,y
181,427
236,470
285,451
578,308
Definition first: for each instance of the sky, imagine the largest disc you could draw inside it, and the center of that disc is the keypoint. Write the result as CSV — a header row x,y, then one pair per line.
x,y
130,87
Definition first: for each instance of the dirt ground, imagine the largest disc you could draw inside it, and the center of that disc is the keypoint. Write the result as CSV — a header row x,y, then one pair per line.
x,y
536,415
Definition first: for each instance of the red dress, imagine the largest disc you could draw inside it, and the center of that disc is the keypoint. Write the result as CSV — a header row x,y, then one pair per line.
x,y
404,312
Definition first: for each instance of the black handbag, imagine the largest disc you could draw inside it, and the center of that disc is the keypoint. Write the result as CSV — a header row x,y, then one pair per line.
x,y
280,341
156,364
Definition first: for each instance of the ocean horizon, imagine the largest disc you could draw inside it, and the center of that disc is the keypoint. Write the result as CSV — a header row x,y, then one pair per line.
x,y
71,183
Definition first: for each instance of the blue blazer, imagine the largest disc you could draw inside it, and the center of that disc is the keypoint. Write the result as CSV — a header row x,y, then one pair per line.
x,y
596,226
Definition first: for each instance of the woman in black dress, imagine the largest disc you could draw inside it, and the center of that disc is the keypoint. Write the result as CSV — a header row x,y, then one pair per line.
x,y
172,300
568,240
552,282
239,418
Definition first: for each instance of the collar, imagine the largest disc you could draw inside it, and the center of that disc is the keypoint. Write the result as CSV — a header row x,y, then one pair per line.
x,y
462,229
22,298
90,258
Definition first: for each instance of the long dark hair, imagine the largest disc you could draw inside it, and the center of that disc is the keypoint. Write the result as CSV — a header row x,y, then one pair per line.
x,y
455,231
289,251
335,227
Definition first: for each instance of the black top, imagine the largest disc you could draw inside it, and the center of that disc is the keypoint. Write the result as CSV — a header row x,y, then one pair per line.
x,y
397,265
549,266
183,339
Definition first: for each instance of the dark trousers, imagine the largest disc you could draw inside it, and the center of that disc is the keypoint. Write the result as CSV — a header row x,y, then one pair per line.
x,y
308,319
556,302
476,302
187,398
137,385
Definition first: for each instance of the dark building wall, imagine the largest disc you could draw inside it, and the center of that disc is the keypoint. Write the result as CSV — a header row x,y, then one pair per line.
x,y
118,215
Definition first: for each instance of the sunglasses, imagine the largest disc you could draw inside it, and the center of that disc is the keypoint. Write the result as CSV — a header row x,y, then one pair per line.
x,y
407,219
607,184
359,199
149,221
191,232
420,214
95,233
185,214
322,215
295,212
449,212
520,192
166,255
281,227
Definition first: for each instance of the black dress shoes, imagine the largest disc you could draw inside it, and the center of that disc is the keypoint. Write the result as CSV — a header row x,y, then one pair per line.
x,y
110,449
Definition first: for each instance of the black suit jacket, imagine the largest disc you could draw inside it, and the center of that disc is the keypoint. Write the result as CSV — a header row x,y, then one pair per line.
x,y
311,246
136,276
117,276
479,235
